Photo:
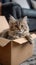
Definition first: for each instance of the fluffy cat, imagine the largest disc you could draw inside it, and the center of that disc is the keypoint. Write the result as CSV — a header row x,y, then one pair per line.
x,y
18,28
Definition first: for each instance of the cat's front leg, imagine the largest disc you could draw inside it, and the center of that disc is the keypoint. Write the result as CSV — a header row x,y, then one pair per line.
x,y
29,38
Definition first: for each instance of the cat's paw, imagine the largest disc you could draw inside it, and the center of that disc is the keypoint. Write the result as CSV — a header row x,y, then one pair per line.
x,y
32,41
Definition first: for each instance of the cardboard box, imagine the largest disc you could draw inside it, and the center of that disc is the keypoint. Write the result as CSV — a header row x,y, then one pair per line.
x,y
14,52
3,23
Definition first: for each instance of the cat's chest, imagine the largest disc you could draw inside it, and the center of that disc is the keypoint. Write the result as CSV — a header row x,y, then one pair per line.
x,y
16,33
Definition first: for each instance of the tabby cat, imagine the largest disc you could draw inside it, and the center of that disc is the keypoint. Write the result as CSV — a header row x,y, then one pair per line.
x,y
18,28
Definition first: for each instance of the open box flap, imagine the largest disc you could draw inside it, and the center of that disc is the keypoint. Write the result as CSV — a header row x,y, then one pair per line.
x,y
3,24
4,42
33,36
24,40
20,40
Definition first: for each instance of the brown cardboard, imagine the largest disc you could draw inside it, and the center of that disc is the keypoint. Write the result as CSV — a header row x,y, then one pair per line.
x,y
5,54
3,24
20,41
16,51
20,53
3,41
14,54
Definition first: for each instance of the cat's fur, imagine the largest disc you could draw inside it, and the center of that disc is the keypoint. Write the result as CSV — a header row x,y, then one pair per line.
x,y
18,28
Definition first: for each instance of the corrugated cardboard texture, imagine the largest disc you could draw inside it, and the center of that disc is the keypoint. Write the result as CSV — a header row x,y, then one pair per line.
x,y
3,24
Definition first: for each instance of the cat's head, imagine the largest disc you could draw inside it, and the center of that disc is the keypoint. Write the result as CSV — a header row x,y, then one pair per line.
x,y
18,25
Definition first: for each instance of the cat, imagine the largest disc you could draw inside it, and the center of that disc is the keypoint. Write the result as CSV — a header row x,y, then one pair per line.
x,y
18,29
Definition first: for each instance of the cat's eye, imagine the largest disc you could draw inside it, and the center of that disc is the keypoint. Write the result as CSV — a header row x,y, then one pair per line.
x,y
21,25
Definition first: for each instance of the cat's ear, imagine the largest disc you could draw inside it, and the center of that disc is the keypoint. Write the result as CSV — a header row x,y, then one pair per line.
x,y
25,19
12,19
